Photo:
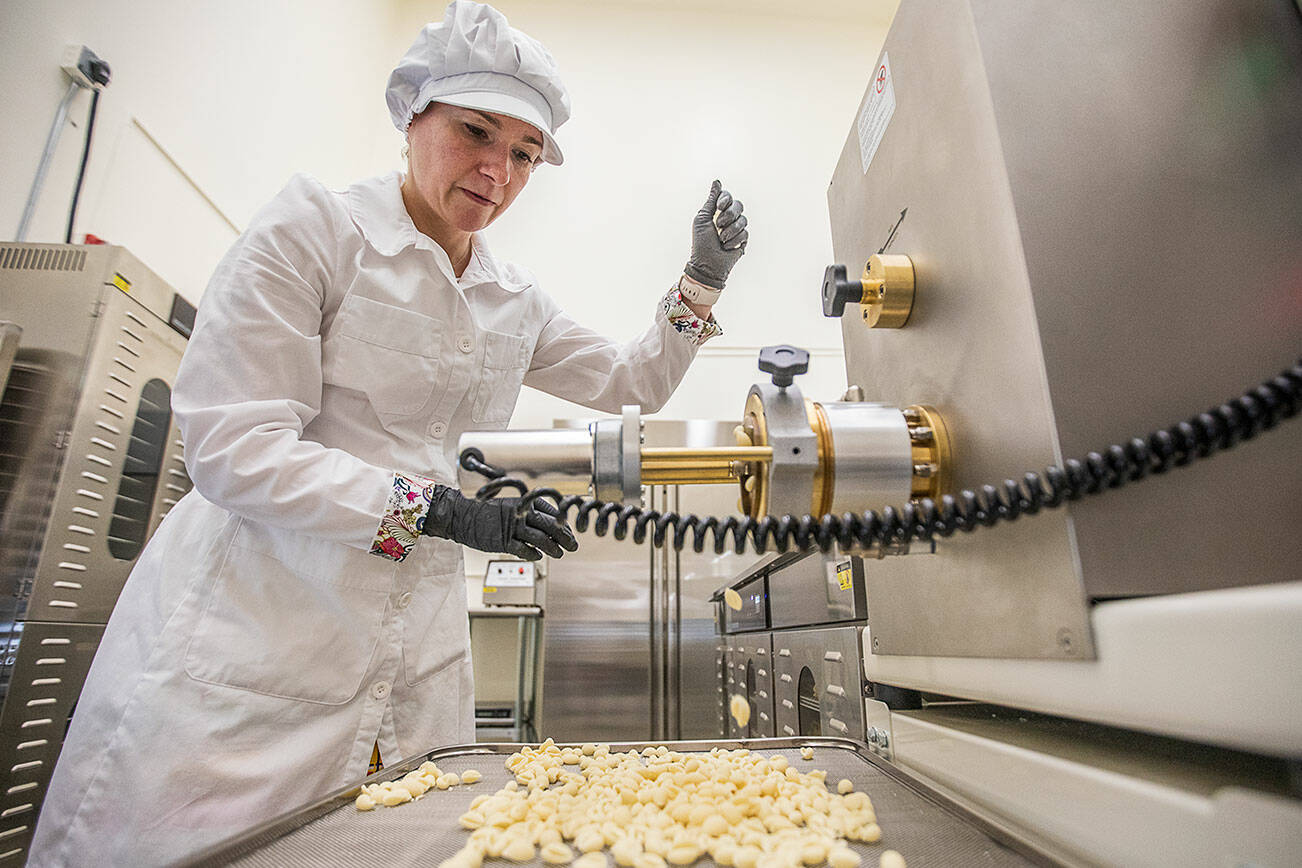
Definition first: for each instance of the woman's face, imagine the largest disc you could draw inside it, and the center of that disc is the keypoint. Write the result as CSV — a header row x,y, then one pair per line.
x,y
465,167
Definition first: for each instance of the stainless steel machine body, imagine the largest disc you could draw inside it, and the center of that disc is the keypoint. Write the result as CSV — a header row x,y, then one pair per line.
x,y
1103,209
819,687
91,463
793,647
1103,205
750,676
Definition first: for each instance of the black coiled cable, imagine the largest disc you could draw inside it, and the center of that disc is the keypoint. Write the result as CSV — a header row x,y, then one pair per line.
x,y
1220,428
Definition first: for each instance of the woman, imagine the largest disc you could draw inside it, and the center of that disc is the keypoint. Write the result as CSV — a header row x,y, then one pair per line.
x,y
290,615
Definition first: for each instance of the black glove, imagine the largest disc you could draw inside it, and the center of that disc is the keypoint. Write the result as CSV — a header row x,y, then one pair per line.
x,y
493,526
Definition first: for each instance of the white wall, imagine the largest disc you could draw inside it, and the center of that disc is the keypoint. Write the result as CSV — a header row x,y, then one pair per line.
x,y
213,105
666,97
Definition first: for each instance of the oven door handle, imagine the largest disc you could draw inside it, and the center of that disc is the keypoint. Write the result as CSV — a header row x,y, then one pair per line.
x,y
10,334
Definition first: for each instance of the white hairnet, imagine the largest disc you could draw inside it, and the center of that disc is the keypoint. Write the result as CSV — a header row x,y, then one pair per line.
x,y
475,59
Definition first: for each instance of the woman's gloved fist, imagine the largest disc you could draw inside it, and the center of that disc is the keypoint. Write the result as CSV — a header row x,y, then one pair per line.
x,y
717,241
493,526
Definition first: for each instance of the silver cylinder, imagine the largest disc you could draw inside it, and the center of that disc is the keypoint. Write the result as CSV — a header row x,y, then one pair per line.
x,y
617,457
872,455
559,458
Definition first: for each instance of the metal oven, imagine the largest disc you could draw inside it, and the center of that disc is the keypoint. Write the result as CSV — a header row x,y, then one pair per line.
x,y
90,462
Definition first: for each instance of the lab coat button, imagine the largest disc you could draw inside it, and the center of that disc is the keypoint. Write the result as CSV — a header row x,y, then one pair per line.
x,y
465,344
405,600
437,430
380,689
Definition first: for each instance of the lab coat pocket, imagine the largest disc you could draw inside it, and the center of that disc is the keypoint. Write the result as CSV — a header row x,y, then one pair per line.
x,y
290,616
505,360
437,629
387,353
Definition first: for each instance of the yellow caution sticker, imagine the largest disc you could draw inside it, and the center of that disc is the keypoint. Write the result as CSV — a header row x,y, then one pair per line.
x,y
844,576
121,282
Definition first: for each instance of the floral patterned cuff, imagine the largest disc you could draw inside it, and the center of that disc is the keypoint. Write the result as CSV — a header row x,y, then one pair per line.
x,y
403,516
687,323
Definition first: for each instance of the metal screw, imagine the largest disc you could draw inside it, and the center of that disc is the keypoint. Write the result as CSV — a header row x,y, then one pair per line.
x,y
885,740
920,434
876,642
1064,641
872,735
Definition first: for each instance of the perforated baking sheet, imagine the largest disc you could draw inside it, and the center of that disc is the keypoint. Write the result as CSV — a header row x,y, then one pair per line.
x,y
926,831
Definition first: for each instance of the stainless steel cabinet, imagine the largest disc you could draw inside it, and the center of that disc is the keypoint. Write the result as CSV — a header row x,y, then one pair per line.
x,y
90,463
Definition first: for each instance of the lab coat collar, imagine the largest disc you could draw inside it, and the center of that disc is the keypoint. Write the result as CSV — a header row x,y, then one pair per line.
x,y
376,207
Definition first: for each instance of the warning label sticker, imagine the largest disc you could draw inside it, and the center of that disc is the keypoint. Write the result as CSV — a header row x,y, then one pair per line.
x,y
877,111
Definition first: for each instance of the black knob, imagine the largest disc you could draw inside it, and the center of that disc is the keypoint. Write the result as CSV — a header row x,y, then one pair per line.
x,y
837,291
783,362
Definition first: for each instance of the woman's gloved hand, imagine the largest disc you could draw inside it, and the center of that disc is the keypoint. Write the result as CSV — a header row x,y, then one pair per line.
x,y
717,241
493,526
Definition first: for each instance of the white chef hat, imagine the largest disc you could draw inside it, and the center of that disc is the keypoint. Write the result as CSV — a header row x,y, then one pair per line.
x,y
475,59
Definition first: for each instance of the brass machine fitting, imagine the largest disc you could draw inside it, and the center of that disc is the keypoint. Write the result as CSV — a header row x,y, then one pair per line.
x,y
933,460
930,454
676,465
792,456
834,457
884,291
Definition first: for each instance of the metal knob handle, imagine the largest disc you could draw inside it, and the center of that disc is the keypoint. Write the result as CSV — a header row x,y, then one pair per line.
x,y
884,290
838,291
783,362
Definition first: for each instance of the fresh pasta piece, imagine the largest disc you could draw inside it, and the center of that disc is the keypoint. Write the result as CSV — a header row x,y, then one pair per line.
x,y
556,853
843,857
891,859
740,709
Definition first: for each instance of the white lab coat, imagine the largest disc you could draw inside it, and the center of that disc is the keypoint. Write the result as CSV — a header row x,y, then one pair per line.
x,y
259,649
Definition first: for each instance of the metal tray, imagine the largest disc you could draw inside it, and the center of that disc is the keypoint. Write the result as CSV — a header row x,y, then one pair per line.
x,y
927,829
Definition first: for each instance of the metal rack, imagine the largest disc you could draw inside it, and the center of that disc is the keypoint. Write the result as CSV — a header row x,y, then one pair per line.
x,y
926,827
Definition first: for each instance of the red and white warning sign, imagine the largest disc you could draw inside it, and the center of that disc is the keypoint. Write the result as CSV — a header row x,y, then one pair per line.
x,y
877,111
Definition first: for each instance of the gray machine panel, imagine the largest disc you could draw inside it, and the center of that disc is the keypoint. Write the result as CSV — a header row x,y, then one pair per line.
x,y
970,348
754,611
817,589
47,678
78,577
750,674
818,689
95,331
1160,211
1069,192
